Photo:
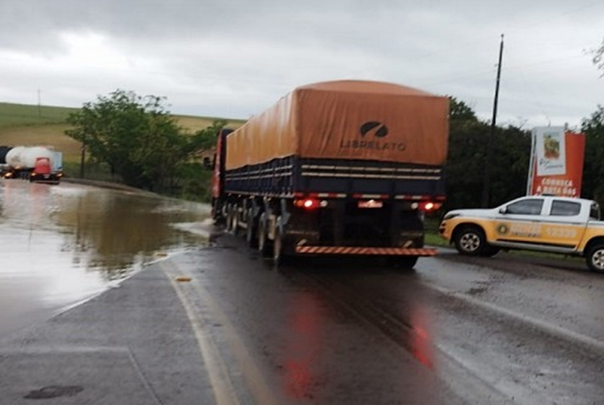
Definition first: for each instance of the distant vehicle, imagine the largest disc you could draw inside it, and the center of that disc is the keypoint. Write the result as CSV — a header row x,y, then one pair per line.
x,y
564,225
336,168
34,163
3,166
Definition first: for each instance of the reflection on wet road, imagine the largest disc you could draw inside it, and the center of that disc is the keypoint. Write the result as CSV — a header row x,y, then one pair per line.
x,y
62,244
454,330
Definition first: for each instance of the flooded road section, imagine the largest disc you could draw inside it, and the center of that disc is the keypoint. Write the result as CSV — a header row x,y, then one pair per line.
x,y
63,244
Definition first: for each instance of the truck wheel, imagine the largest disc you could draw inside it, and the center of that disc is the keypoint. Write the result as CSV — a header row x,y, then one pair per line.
x,y
235,222
262,237
470,241
229,218
216,212
277,246
595,257
403,262
250,235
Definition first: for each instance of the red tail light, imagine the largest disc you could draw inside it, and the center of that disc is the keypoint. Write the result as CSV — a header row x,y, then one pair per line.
x,y
429,206
308,203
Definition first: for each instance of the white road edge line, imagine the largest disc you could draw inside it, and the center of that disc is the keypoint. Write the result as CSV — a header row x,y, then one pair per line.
x,y
215,367
251,373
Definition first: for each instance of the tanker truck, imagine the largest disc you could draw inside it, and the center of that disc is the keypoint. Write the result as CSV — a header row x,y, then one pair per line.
x,y
335,168
3,166
34,163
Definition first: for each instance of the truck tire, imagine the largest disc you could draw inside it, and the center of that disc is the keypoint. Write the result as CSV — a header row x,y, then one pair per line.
x,y
402,262
277,246
217,212
235,221
228,223
470,241
250,235
263,245
595,257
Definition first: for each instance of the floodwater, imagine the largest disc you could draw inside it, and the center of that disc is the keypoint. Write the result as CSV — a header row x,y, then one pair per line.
x,y
67,243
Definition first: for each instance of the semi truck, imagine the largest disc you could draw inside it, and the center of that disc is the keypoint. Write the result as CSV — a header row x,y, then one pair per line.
x,y
335,168
34,163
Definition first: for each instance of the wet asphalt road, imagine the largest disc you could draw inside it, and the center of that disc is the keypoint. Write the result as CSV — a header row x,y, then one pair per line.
x,y
236,330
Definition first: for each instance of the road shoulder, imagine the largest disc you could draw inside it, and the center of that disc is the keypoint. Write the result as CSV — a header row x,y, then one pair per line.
x,y
132,344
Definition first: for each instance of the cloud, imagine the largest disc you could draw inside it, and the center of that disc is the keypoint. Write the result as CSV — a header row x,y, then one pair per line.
x,y
235,58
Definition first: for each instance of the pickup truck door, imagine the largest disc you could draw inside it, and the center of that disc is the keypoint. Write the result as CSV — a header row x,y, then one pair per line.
x,y
564,223
520,222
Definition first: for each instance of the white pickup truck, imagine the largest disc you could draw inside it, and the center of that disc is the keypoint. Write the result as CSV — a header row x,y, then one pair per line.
x,y
569,226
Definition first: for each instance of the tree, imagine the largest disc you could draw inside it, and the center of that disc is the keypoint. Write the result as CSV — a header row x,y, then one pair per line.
x,y
510,165
465,156
593,172
460,111
465,163
135,135
205,139
194,181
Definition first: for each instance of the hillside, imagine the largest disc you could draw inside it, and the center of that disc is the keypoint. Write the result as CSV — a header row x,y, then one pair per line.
x,y
22,124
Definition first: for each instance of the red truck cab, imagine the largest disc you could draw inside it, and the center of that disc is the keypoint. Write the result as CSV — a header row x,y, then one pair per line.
x,y
42,171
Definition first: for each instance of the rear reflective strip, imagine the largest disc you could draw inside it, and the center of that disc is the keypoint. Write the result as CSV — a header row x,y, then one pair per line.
x,y
372,196
365,251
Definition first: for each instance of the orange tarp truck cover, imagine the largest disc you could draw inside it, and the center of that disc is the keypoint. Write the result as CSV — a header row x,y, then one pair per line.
x,y
346,120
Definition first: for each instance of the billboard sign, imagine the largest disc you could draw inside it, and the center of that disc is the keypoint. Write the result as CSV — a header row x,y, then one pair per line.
x,y
556,166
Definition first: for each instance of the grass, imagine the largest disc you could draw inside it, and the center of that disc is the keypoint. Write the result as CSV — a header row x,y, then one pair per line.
x,y
30,125
196,123
432,239
43,134
18,115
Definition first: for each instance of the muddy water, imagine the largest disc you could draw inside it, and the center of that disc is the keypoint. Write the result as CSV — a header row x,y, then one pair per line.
x,y
62,244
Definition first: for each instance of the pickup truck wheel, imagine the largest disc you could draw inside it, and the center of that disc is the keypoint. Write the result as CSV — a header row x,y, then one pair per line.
x,y
595,258
470,241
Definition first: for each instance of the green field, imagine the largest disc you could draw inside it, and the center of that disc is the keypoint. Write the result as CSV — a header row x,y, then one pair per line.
x,y
18,115
29,125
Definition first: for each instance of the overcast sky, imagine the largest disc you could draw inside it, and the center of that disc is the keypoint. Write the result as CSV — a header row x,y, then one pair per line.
x,y
234,58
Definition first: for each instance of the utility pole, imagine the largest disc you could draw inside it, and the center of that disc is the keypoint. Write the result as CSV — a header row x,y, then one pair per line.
x,y
486,181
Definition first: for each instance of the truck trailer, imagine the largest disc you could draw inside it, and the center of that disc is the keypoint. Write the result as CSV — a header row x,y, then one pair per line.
x,y
335,168
34,163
